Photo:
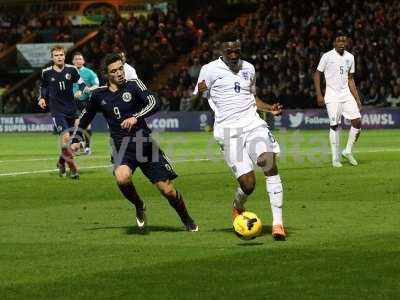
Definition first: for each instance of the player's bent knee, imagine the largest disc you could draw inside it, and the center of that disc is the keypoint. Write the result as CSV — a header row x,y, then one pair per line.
x,y
247,182
123,175
266,162
122,179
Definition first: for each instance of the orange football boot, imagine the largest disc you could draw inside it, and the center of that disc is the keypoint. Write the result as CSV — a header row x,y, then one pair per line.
x,y
236,212
278,233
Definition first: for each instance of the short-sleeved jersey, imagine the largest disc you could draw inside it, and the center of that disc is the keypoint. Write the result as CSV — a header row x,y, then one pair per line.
x,y
130,72
57,89
230,95
131,100
90,78
336,69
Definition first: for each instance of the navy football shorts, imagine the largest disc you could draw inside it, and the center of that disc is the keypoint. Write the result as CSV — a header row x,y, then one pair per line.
x,y
149,158
63,123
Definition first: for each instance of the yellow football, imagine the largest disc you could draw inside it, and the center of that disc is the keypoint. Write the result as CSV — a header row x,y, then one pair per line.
x,y
247,225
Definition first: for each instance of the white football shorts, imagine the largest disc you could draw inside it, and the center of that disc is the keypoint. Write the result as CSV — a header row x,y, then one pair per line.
x,y
241,148
348,109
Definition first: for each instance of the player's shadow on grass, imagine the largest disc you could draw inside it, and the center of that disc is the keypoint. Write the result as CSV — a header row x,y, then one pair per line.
x,y
267,229
323,165
249,243
151,228
205,173
135,230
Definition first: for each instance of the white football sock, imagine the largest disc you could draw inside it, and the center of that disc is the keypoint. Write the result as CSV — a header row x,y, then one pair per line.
x,y
334,138
353,135
275,193
240,199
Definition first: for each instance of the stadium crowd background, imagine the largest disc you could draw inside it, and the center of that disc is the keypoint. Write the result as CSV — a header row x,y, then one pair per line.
x,y
283,39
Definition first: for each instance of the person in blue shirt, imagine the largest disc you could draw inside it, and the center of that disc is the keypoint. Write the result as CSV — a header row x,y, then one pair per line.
x,y
92,82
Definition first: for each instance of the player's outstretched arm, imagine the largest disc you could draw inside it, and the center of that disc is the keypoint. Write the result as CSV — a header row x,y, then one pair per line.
x,y
275,109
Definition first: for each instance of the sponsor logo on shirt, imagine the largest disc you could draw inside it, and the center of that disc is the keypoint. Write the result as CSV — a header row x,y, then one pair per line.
x,y
68,76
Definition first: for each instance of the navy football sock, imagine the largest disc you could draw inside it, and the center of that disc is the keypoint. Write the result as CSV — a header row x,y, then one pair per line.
x,y
129,191
179,205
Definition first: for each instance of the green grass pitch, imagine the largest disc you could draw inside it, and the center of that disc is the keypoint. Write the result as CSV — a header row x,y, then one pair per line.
x,y
64,239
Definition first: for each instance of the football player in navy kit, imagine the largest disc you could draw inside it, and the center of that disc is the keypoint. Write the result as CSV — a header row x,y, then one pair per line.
x,y
56,91
125,105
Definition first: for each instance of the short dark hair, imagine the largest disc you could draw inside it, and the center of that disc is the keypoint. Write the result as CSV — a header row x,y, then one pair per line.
x,y
109,59
228,36
340,33
76,54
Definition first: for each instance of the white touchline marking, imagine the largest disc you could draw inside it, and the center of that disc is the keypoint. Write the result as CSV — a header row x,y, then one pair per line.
x,y
105,156
51,158
48,171
186,160
94,167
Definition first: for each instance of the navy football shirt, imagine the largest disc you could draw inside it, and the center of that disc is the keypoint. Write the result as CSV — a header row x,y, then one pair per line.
x,y
57,89
131,100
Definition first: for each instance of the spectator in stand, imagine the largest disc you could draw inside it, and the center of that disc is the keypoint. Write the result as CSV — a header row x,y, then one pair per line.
x,y
283,39
150,41
184,78
165,105
382,97
393,99
186,100
194,69
372,97
267,95
286,40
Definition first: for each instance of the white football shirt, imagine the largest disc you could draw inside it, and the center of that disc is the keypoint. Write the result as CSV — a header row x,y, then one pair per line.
x,y
336,69
130,72
230,95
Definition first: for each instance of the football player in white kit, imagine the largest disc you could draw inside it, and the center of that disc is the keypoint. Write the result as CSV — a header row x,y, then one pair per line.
x,y
130,72
229,84
341,97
